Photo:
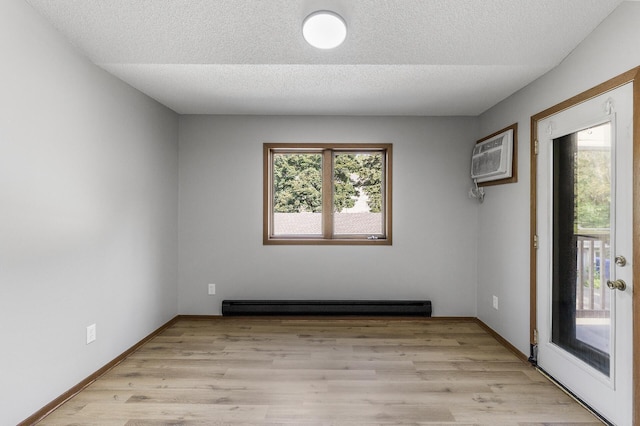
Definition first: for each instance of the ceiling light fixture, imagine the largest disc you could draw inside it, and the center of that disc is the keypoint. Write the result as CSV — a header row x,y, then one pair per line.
x,y
324,29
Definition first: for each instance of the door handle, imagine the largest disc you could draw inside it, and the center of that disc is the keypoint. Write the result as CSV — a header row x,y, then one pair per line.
x,y
617,285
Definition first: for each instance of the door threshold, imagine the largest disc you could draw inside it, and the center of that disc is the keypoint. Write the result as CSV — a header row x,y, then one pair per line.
x,y
574,397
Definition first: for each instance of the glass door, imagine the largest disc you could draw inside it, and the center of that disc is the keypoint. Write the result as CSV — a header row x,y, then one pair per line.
x,y
581,305
584,225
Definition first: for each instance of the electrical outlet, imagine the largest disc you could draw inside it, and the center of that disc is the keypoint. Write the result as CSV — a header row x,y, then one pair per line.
x,y
91,333
212,289
495,302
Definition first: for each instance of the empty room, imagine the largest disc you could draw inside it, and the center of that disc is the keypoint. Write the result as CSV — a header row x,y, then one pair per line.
x,y
319,212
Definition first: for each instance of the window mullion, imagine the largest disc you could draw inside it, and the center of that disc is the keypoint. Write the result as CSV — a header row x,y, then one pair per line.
x,y
327,193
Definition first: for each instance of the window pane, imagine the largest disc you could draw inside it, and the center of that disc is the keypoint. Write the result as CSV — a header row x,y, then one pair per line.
x,y
297,194
581,317
357,193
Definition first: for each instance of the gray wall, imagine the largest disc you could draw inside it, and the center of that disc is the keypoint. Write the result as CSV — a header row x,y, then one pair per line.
x,y
434,223
88,214
503,219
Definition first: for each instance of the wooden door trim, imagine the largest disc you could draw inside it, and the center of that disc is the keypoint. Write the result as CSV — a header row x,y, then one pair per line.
x,y
631,76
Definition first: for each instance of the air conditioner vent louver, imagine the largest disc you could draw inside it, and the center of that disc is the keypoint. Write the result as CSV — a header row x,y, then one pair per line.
x,y
491,159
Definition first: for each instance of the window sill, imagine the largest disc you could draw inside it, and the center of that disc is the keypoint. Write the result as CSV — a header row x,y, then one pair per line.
x,y
326,242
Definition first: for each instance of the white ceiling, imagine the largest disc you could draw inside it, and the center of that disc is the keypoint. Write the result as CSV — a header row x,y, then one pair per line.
x,y
401,57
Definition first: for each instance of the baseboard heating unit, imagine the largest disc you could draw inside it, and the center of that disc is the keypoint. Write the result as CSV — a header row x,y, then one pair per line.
x,y
327,307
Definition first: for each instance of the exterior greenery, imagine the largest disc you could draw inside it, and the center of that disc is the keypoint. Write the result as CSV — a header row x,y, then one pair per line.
x,y
593,189
297,180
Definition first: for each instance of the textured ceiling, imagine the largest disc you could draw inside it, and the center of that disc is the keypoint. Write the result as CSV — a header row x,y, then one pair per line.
x,y
401,57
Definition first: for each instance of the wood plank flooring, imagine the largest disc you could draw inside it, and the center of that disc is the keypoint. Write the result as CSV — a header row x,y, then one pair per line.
x,y
235,371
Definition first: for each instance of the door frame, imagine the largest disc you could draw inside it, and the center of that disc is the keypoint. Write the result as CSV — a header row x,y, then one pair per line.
x,y
631,76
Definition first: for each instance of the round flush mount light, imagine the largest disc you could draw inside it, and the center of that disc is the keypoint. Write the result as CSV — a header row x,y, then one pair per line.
x,y
324,29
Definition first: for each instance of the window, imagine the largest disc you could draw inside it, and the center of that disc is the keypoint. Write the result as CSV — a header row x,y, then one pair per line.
x,y
327,194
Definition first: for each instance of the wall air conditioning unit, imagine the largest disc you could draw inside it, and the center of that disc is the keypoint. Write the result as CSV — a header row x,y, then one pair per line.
x,y
492,158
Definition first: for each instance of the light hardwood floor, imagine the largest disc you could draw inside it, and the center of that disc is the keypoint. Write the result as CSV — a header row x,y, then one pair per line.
x,y
322,372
